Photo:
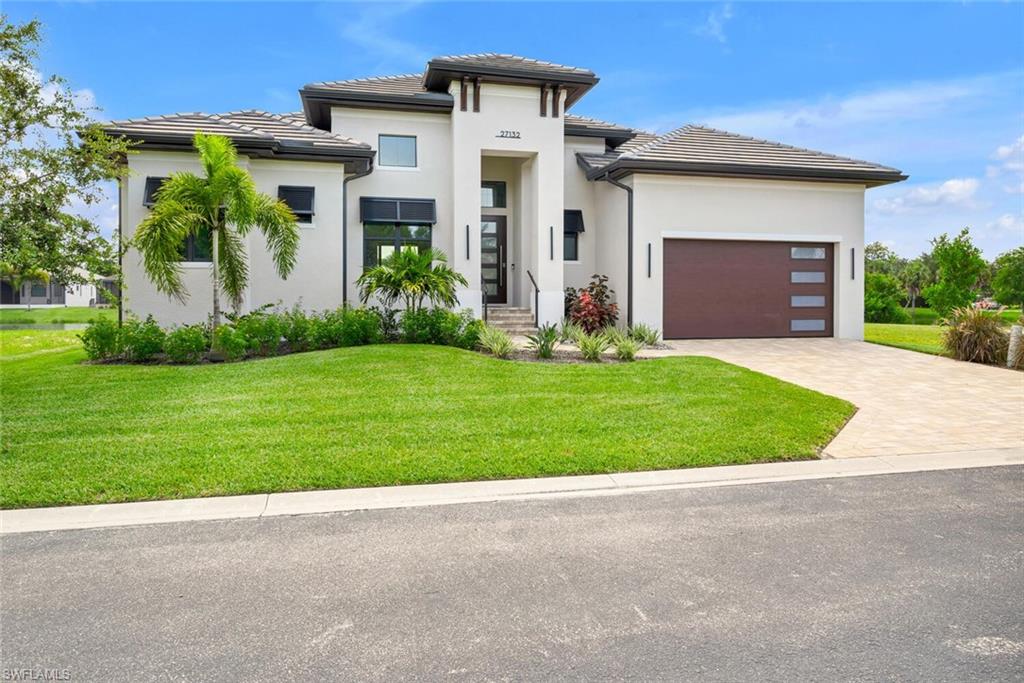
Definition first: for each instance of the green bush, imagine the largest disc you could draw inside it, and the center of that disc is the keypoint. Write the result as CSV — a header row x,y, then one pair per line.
x,y
627,348
101,339
545,341
440,326
140,341
976,335
570,331
645,334
231,343
959,266
296,329
186,344
882,296
614,335
496,342
592,346
360,326
264,331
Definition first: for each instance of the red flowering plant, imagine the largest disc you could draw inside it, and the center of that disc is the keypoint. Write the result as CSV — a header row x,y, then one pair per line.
x,y
591,307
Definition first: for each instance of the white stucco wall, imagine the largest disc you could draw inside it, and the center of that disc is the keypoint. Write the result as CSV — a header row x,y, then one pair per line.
x,y
315,283
580,194
715,208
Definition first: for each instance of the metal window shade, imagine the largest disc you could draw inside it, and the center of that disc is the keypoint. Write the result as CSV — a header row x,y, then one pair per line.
x,y
384,209
298,199
573,220
152,185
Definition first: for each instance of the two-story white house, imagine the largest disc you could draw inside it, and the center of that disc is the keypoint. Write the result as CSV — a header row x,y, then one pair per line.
x,y
702,233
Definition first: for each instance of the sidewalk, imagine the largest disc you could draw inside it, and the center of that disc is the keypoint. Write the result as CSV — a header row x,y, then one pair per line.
x,y
315,502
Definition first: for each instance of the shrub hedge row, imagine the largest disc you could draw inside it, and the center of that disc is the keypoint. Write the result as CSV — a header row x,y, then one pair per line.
x,y
270,333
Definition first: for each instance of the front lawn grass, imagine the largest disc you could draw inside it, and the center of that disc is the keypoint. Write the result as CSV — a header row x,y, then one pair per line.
x,y
15,344
928,316
381,415
63,314
922,338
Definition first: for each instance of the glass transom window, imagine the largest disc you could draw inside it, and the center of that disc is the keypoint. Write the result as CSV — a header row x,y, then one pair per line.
x,y
397,150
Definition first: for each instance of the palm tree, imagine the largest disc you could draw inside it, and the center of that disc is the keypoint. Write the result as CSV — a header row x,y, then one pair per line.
x,y
19,276
412,276
224,205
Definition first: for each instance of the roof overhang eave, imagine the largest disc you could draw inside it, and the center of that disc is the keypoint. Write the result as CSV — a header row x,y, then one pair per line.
x,y
439,74
317,102
624,167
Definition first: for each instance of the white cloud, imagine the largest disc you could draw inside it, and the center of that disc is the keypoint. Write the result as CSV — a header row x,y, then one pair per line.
x,y
954,192
1008,224
714,25
1011,162
370,28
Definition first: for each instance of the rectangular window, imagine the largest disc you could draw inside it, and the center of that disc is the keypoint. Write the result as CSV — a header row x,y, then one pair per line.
x,y
197,248
152,185
396,150
299,200
806,325
571,246
492,194
815,253
38,289
798,277
807,301
381,240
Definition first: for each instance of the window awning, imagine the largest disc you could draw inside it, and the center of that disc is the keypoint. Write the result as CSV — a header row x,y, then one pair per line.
x,y
573,220
388,210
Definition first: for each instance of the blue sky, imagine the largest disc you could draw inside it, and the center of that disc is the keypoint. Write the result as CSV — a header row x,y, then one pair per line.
x,y
934,89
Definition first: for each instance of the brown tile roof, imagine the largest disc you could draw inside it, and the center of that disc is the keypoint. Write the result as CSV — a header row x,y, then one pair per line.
x,y
492,60
287,133
697,149
405,84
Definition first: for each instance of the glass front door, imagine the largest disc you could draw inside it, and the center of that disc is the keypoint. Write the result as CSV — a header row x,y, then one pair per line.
x,y
493,258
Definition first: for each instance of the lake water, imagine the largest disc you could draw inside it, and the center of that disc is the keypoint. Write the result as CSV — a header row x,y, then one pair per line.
x,y
43,326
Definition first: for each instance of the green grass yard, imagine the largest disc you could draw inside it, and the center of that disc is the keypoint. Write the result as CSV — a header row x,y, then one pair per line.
x,y
922,338
69,314
927,316
18,344
380,415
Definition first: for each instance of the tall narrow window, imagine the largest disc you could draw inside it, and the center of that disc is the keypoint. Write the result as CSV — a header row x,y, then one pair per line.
x,y
197,248
397,150
492,194
572,226
299,200
152,185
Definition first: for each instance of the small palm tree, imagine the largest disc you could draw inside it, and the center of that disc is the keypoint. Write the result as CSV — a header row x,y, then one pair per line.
x,y
19,276
225,205
412,276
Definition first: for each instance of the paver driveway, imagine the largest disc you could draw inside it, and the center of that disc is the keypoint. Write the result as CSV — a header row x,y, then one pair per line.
x,y
907,402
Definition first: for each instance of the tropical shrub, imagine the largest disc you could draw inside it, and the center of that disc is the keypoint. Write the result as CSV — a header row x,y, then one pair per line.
x,y
389,326
186,344
101,339
263,330
882,296
545,341
645,334
570,331
592,308
359,327
496,342
412,276
976,335
627,348
440,326
614,334
140,341
230,343
592,346
296,329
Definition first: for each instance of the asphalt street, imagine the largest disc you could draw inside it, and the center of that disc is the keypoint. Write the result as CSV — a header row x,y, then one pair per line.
x,y
895,577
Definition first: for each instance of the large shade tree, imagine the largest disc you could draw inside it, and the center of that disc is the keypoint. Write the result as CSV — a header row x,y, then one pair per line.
x,y
222,205
54,164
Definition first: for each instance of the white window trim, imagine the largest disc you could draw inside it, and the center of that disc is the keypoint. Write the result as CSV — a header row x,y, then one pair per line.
x,y
190,265
381,167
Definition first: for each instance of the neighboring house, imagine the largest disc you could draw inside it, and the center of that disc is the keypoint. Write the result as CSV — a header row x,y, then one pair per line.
x,y
702,233
53,294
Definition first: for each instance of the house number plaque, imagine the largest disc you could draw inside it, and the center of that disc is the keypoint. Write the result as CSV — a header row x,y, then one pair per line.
x,y
508,134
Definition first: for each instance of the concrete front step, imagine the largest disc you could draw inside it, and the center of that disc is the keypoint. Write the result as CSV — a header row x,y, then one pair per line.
x,y
516,331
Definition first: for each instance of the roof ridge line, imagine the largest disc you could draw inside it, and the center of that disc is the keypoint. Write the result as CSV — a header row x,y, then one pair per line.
x,y
306,128
241,126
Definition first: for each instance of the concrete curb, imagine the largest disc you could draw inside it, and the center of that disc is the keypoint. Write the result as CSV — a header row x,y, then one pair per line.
x,y
341,500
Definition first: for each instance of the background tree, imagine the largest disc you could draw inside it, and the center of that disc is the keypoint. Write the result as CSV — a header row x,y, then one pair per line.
x,y
882,295
412,276
879,258
1008,282
959,265
914,277
221,206
45,170
18,276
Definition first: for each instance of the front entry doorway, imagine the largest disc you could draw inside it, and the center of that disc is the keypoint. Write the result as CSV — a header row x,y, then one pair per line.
x,y
494,258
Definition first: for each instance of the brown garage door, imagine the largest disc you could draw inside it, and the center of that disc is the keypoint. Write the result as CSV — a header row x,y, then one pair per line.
x,y
727,289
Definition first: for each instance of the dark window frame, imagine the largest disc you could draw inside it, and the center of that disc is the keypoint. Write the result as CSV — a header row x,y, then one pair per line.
x,y
415,150
153,184
571,238
500,191
190,251
396,239
302,215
